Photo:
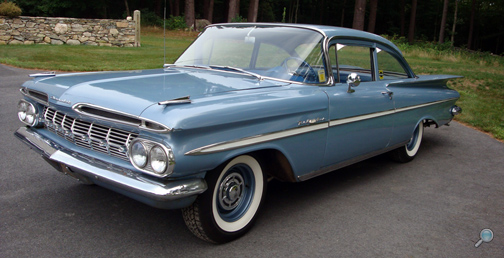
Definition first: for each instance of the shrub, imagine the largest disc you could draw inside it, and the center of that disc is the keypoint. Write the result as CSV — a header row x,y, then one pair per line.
x,y
9,9
238,18
149,18
176,23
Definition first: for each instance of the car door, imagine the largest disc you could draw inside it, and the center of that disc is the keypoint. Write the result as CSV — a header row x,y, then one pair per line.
x,y
361,118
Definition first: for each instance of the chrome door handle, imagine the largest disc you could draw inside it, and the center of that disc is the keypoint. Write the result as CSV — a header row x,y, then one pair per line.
x,y
389,93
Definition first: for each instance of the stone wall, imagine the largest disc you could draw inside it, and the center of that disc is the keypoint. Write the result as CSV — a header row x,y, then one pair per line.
x,y
71,31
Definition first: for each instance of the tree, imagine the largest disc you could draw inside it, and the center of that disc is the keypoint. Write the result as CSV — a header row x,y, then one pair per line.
x,y
234,9
454,23
208,7
471,25
253,9
127,8
189,13
174,7
343,13
411,32
359,13
373,6
443,22
402,13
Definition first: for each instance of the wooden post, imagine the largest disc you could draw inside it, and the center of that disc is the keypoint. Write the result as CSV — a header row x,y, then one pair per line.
x,y
136,15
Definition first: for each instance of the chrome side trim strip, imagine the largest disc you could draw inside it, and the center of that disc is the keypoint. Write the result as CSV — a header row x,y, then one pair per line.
x,y
243,142
348,162
383,113
359,118
423,105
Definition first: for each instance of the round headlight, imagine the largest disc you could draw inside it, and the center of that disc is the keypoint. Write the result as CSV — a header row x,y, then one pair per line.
x,y
22,109
139,154
27,113
158,159
31,113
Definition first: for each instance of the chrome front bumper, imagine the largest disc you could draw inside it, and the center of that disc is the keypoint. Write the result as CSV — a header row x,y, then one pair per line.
x,y
166,195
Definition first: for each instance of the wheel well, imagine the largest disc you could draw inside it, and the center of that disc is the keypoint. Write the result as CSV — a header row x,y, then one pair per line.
x,y
275,164
428,122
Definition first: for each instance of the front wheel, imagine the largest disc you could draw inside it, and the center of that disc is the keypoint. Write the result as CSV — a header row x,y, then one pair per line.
x,y
229,207
408,152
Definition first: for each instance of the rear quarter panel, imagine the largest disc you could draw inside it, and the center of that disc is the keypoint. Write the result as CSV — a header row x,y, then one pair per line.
x,y
415,99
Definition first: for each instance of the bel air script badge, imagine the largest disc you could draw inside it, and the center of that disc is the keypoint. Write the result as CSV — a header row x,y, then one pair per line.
x,y
311,121
61,100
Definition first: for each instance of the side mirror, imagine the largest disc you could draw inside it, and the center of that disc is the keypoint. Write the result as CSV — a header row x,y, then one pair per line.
x,y
353,80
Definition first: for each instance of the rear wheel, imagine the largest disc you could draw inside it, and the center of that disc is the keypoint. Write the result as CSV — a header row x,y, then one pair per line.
x,y
409,151
228,209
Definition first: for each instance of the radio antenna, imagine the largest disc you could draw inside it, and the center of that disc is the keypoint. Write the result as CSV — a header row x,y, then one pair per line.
x,y
164,33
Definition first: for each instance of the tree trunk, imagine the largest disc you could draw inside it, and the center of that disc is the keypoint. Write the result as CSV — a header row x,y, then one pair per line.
x,y
297,8
359,14
208,7
343,13
471,25
443,22
411,33
454,23
321,8
174,7
402,13
158,7
127,8
253,9
234,9
373,6
189,13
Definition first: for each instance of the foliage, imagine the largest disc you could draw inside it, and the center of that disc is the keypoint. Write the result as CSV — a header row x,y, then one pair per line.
x,y
444,51
9,9
238,18
176,23
149,18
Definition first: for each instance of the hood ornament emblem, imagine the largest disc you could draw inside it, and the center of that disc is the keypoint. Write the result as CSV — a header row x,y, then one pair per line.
x,y
61,100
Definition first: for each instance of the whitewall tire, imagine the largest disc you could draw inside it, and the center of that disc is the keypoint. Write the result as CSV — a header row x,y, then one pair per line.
x,y
228,209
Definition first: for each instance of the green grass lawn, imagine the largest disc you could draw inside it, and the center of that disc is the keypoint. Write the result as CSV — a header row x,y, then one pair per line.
x,y
481,89
93,58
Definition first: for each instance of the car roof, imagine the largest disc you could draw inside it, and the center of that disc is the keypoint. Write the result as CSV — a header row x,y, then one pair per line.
x,y
327,31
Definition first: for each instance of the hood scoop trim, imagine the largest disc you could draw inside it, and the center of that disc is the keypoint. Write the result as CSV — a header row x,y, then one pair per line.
x,y
115,116
181,100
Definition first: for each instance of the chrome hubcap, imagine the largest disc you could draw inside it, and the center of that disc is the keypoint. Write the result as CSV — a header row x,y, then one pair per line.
x,y
231,191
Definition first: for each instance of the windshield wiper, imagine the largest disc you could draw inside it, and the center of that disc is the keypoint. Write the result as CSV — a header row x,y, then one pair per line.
x,y
186,66
259,77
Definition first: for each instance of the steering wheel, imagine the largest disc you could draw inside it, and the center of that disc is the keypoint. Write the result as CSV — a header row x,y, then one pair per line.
x,y
300,69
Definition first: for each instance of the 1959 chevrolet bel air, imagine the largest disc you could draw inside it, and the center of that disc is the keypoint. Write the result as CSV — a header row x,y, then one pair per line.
x,y
244,103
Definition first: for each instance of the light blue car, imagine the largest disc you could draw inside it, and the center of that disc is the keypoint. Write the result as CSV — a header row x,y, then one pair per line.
x,y
244,103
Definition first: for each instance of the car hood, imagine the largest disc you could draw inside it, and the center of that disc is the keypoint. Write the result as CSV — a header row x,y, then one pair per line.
x,y
133,91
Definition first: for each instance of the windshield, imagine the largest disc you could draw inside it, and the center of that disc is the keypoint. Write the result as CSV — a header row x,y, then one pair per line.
x,y
285,53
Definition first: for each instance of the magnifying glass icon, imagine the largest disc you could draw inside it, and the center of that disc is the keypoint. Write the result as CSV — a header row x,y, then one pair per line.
x,y
486,236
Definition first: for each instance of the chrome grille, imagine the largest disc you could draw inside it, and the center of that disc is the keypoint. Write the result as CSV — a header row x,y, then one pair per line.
x,y
111,141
